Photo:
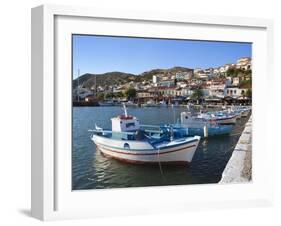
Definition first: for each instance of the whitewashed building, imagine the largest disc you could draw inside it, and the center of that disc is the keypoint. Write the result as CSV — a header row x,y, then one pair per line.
x,y
186,75
167,83
244,63
185,92
217,88
235,91
235,81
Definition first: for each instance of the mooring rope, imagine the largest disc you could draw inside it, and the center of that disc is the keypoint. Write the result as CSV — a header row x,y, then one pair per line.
x,y
160,166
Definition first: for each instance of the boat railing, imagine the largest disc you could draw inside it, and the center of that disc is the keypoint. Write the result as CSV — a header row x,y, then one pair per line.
x,y
109,131
151,127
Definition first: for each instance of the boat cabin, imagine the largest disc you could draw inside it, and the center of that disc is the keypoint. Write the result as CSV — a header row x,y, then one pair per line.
x,y
124,123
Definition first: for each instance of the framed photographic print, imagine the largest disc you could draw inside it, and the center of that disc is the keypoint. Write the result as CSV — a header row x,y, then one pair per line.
x,y
137,112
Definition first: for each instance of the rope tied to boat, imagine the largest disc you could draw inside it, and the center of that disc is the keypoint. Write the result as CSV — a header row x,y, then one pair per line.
x,y
159,163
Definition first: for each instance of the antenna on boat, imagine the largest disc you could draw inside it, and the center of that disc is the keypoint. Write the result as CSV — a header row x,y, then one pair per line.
x,y
171,133
125,110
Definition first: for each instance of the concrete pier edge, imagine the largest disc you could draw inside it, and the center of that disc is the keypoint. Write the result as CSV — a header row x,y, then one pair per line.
x,y
239,167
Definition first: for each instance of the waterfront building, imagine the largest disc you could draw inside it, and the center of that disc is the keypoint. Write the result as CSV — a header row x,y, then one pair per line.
x,y
178,92
185,92
235,91
171,91
143,94
217,88
81,93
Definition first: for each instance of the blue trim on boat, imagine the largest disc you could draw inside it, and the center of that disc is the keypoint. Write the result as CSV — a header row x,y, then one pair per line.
x,y
161,148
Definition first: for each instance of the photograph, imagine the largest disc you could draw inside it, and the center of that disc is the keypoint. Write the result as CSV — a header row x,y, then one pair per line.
x,y
160,112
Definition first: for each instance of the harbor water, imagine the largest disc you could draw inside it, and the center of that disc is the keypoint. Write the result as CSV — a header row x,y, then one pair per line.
x,y
92,170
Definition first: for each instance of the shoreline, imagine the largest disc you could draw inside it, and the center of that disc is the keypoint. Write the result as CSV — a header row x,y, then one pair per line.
x,y
239,167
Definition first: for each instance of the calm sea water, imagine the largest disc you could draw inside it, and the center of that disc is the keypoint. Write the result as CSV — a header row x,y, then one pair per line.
x,y
90,169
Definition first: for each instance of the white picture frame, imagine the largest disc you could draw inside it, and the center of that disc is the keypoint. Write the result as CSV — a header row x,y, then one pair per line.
x,y
52,197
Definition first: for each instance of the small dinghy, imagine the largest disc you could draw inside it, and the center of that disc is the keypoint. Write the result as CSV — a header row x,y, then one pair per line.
x,y
131,142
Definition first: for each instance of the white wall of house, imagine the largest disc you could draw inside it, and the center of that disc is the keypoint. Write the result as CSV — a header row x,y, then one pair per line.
x,y
185,92
234,92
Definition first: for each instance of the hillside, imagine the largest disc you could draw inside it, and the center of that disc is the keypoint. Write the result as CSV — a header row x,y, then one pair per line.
x,y
148,74
117,78
106,79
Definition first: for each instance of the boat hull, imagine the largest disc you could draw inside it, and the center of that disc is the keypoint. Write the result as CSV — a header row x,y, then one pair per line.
x,y
212,131
220,119
226,121
245,113
175,154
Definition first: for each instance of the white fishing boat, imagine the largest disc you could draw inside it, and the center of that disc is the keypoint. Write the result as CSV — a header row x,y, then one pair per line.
x,y
202,126
239,111
245,112
129,142
106,103
131,104
219,117
150,103
162,104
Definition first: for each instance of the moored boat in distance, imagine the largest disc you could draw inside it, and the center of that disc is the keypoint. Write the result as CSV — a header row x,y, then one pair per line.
x,y
131,142
221,118
201,126
243,111
106,103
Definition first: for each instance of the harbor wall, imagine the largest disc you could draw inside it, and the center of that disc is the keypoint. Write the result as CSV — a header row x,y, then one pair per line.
x,y
239,166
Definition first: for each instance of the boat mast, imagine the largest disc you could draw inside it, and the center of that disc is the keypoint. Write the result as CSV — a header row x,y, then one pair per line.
x,y
95,85
78,85
125,110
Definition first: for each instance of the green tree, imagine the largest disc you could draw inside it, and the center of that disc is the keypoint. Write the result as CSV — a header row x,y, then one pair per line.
x,y
109,96
100,96
230,72
130,93
245,84
119,95
249,93
197,94
234,72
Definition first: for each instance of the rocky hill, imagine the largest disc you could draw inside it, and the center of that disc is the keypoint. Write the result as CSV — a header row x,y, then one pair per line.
x,y
117,78
88,80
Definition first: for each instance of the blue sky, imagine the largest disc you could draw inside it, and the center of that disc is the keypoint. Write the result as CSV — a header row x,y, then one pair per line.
x,y
100,54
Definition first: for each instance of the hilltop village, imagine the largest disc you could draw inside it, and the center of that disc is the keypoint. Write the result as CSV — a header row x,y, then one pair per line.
x,y
229,84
